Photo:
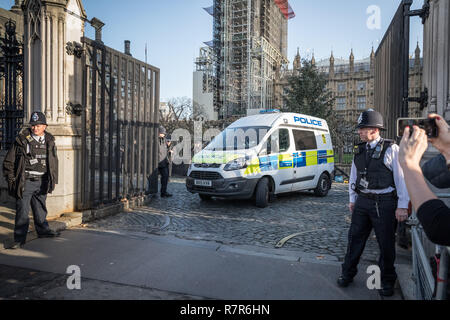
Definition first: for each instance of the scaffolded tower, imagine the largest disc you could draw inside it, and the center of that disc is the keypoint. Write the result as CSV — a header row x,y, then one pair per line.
x,y
250,50
205,64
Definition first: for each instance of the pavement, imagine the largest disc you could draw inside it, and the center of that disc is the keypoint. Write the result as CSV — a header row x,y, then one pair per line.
x,y
190,268
133,265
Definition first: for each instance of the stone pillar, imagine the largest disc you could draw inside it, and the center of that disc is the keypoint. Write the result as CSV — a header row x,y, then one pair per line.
x,y
52,79
436,56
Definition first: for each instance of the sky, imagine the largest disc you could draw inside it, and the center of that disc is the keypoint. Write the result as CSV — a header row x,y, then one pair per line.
x,y
174,31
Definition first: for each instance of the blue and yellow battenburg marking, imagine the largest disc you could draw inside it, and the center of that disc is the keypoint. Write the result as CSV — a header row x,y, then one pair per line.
x,y
288,161
270,163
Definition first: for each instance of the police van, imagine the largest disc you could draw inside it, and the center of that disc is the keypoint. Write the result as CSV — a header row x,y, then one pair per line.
x,y
264,155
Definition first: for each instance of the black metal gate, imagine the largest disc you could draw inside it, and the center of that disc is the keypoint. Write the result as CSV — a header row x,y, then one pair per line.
x,y
392,68
11,71
119,149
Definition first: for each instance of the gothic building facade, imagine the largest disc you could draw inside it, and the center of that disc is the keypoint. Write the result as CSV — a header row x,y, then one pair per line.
x,y
351,82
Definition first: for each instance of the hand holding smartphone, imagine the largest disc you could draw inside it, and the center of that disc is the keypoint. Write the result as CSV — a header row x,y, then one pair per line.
x,y
427,124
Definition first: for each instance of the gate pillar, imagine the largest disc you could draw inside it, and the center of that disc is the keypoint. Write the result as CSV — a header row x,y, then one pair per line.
x,y
52,81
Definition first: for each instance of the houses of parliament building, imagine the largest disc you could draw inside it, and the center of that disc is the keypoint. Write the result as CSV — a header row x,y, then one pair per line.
x,y
351,83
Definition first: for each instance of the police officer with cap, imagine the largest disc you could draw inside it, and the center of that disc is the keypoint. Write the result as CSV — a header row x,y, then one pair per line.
x,y
378,199
31,169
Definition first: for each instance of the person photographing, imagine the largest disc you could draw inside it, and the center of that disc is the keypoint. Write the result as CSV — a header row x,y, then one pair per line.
x,y
432,213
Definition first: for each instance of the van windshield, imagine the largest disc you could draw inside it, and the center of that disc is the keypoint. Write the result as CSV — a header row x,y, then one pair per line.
x,y
238,138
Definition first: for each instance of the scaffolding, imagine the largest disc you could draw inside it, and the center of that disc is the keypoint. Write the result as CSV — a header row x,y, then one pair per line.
x,y
250,51
205,63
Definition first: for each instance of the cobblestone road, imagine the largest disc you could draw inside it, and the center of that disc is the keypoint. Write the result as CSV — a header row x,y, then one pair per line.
x,y
322,222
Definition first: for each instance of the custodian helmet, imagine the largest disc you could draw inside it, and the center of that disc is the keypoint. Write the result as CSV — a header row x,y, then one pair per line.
x,y
370,119
38,118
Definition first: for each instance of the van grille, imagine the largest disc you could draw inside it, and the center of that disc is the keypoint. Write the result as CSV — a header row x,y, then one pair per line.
x,y
207,165
205,175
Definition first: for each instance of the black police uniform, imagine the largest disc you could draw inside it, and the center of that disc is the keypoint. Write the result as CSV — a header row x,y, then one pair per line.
x,y
31,169
35,192
372,210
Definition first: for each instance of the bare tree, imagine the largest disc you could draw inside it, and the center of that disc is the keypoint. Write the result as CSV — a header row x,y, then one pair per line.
x,y
179,109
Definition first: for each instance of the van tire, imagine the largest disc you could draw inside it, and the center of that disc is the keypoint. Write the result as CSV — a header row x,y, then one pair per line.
x,y
262,193
204,197
323,185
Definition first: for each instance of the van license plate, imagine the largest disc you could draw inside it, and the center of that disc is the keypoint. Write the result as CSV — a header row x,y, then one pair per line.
x,y
203,183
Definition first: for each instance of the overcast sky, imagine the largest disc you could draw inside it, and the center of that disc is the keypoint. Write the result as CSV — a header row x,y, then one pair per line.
x,y
174,30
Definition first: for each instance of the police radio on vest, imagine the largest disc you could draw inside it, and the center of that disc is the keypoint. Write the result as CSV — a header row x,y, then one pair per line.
x,y
308,121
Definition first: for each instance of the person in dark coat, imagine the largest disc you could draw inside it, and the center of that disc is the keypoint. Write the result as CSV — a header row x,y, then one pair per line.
x,y
163,167
170,147
31,170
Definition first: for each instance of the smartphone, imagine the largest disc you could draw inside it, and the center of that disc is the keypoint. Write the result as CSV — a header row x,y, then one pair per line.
x,y
427,124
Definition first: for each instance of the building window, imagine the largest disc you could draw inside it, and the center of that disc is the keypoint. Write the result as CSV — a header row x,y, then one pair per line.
x,y
362,85
361,102
341,103
341,87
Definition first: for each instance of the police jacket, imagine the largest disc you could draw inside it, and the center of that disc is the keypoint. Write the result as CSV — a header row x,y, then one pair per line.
x,y
14,163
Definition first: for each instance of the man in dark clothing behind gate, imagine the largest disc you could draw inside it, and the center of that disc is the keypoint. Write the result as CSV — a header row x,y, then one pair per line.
x,y
378,196
163,167
31,169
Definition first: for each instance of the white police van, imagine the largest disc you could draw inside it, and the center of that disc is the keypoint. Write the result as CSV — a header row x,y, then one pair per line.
x,y
263,155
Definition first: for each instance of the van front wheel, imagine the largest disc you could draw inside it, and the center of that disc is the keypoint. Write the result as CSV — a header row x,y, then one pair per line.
x,y
262,193
323,186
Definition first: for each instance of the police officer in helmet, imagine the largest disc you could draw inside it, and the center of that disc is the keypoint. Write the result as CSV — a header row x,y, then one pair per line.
x,y
378,199
31,169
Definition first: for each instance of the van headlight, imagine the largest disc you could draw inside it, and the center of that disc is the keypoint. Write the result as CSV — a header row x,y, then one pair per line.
x,y
236,164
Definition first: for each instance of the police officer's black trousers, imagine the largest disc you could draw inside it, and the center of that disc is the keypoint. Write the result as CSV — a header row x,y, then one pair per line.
x,y
164,172
34,196
364,218
153,180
